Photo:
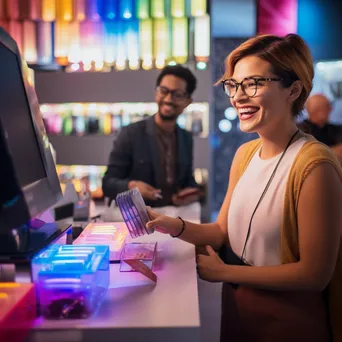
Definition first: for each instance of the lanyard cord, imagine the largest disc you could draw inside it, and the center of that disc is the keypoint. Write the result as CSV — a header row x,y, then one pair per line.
x,y
264,193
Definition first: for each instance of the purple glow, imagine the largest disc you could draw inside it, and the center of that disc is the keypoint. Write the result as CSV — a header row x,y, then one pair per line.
x,y
93,9
277,17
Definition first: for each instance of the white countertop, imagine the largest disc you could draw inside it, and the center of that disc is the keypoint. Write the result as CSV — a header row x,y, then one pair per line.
x,y
136,308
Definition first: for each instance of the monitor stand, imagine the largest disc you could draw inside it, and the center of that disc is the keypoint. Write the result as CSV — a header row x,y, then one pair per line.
x,y
20,245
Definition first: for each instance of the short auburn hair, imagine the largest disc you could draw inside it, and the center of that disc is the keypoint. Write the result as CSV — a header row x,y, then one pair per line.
x,y
290,59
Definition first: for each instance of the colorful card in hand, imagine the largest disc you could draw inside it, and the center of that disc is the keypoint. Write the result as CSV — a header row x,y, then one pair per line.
x,y
134,212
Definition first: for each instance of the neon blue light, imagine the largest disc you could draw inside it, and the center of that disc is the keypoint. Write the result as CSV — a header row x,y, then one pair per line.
x,y
127,15
110,28
110,40
126,9
72,260
132,37
109,9
121,51
11,202
132,27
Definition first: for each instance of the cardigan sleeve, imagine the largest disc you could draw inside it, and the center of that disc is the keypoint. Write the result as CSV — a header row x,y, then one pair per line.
x,y
312,154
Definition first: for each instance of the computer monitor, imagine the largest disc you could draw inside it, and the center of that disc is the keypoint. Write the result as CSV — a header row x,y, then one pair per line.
x,y
29,183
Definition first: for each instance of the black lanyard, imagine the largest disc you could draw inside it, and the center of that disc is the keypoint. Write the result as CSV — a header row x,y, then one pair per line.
x,y
264,193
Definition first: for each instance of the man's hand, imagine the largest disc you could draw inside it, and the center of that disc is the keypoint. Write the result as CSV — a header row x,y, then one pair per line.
x,y
147,191
186,196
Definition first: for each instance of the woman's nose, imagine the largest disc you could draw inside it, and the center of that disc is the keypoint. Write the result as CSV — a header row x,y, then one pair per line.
x,y
240,94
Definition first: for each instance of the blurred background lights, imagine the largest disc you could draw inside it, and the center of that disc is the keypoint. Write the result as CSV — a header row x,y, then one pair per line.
x,y
225,126
230,113
201,65
75,66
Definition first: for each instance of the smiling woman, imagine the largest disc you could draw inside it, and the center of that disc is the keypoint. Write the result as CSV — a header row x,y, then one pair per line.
x,y
289,67
268,80
262,73
281,215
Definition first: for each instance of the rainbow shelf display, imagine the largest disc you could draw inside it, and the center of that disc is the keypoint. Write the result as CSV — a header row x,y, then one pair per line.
x,y
98,35
108,118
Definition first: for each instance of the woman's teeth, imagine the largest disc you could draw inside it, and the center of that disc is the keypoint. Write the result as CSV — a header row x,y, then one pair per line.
x,y
247,112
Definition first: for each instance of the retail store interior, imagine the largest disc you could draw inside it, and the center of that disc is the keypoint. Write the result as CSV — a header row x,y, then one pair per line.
x,y
74,75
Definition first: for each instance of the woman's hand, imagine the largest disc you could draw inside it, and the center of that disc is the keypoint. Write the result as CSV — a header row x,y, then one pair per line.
x,y
210,267
163,224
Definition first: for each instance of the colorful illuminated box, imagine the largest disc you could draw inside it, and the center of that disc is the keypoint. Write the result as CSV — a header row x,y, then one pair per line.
x,y
71,280
17,311
112,234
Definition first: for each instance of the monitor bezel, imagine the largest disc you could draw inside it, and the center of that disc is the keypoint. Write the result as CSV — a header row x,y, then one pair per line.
x,y
44,193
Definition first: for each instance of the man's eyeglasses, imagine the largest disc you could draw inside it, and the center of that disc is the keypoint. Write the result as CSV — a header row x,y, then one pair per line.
x,y
176,95
249,85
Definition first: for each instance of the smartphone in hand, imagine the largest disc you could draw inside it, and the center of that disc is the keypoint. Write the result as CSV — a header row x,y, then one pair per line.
x,y
188,192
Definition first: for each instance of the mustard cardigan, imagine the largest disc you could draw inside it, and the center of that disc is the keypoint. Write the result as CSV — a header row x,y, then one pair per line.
x,y
311,154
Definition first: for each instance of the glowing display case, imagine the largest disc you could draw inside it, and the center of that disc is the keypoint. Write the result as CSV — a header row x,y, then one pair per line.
x,y
112,234
71,281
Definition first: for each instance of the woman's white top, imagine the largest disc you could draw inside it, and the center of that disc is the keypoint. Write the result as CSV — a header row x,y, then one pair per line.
x,y
263,246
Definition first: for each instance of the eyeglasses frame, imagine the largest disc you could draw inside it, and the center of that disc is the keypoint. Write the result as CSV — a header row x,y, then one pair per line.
x,y
256,79
172,92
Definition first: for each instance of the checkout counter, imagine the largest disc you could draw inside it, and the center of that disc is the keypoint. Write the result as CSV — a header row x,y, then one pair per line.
x,y
168,310
134,306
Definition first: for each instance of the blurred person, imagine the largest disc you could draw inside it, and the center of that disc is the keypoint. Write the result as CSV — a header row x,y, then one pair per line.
x,y
317,124
156,155
279,227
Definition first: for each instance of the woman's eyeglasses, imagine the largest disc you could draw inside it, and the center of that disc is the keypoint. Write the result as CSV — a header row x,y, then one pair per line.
x,y
249,85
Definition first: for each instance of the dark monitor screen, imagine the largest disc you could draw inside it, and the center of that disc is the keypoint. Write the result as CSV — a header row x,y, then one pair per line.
x,y
16,118
29,183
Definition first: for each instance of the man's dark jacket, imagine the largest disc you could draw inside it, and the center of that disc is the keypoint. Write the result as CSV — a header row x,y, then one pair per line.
x,y
135,156
329,134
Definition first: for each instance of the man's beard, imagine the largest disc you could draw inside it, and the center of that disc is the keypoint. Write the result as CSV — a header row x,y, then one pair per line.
x,y
167,117
172,117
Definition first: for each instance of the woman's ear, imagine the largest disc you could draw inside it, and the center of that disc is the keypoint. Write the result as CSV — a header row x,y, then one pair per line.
x,y
295,91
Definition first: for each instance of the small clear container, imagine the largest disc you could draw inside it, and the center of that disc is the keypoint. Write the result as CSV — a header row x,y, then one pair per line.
x,y
71,281
143,252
